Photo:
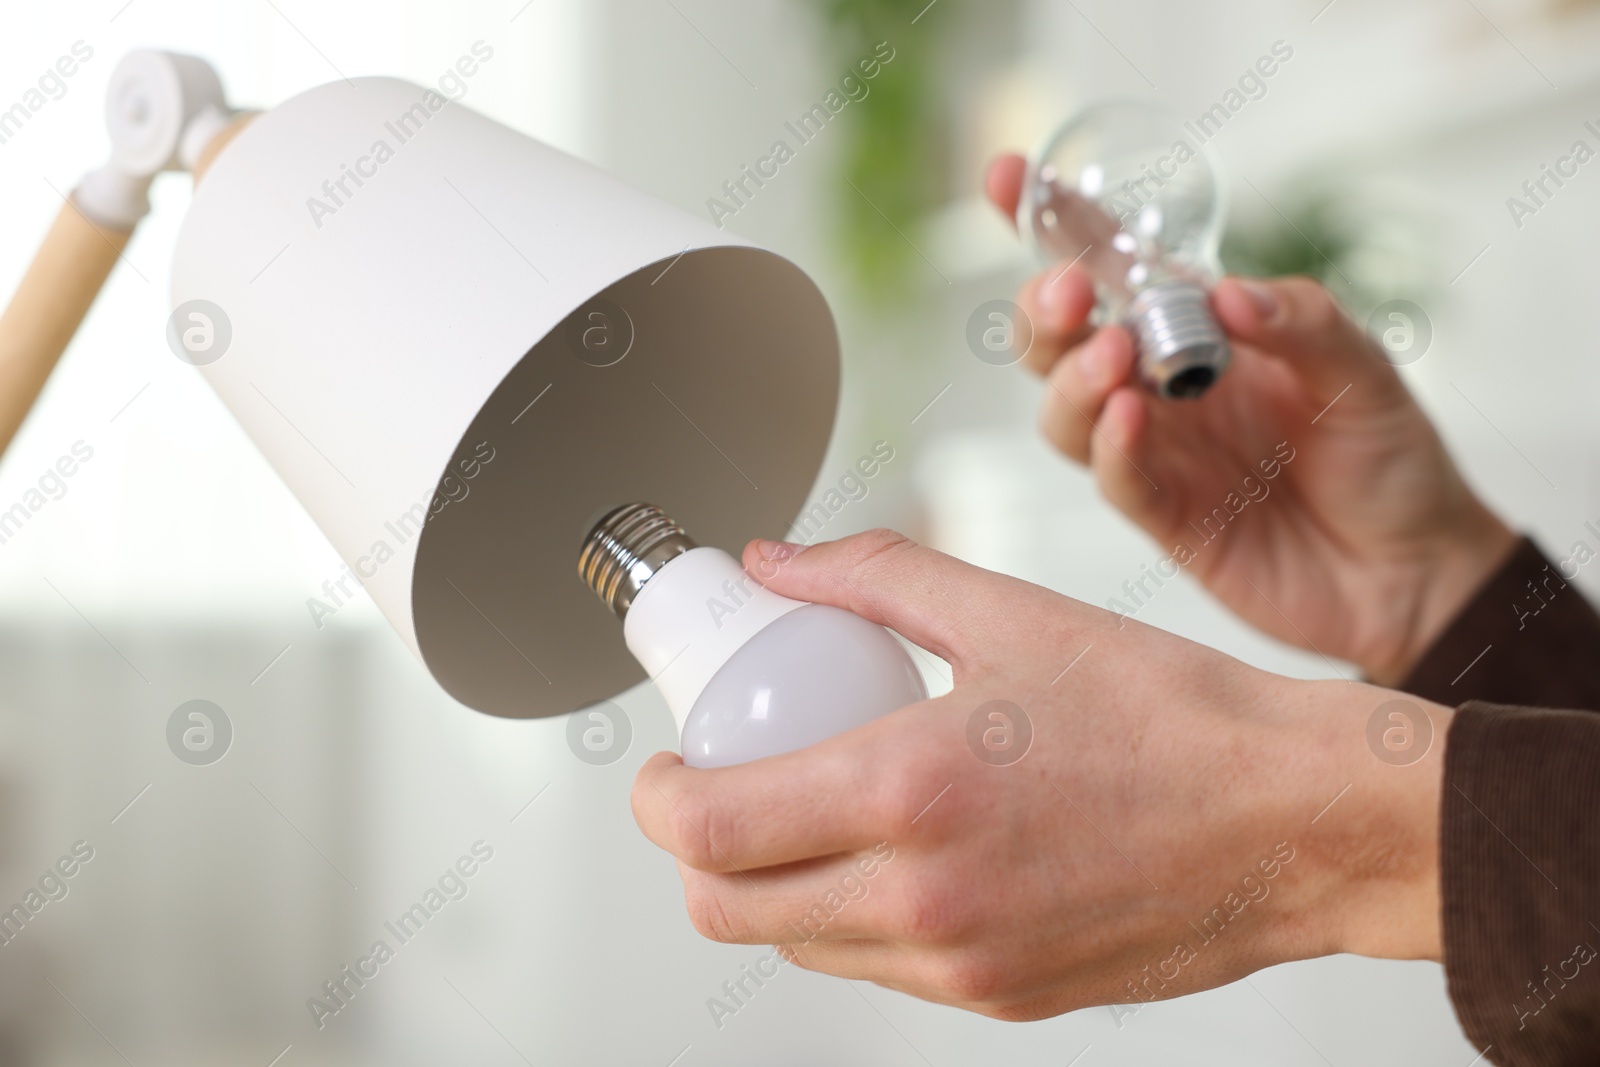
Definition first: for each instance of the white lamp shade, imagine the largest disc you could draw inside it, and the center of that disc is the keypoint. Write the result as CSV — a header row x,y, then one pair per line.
x,y
428,340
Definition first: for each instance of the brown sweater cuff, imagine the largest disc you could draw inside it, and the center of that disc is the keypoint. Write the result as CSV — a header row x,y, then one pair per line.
x,y
1519,861
1528,637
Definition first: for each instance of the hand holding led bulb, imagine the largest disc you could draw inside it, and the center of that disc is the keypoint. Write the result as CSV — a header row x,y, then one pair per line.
x,y
1069,876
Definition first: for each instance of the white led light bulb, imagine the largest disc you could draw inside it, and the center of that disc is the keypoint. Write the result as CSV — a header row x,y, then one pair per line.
x,y
746,673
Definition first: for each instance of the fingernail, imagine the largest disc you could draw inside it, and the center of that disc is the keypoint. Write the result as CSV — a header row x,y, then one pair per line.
x,y
1265,300
776,550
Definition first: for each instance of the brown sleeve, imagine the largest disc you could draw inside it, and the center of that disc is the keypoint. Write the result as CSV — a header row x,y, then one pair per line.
x,y
1519,836
1528,637
1519,863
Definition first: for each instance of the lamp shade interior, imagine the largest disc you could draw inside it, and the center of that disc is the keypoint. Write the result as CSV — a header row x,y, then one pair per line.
x,y
705,384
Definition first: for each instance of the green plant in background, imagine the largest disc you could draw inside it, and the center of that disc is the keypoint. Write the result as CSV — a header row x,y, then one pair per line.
x,y
1308,239
1362,249
894,172
894,149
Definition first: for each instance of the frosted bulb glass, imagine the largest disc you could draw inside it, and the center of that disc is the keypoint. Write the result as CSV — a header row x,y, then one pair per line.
x,y
1130,194
746,673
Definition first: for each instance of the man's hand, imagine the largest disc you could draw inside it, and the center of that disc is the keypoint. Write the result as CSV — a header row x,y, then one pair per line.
x,y
1176,821
1370,542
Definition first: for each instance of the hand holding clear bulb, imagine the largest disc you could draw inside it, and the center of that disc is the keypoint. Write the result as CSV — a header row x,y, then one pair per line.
x,y
1370,541
1126,192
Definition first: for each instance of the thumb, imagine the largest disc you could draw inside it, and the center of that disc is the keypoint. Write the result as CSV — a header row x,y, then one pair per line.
x,y
1300,322
926,596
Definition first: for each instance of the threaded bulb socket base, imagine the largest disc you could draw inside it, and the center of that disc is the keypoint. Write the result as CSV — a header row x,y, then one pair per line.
x,y
625,550
1182,349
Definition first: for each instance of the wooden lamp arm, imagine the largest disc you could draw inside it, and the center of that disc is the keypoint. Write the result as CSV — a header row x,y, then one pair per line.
x,y
172,117
63,280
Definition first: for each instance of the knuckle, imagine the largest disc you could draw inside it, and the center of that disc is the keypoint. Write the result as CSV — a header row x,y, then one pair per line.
x,y
923,915
1045,351
885,559
1058,426
971,979
907,781
709,914
874,547
802,959
1321,310
701,836
873,559
1010,1010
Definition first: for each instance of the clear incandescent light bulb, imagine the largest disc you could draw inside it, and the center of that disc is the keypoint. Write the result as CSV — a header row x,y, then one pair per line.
x,y
1129,192
746,673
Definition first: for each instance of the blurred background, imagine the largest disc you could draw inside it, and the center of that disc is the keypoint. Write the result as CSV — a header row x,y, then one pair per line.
x,y
174,566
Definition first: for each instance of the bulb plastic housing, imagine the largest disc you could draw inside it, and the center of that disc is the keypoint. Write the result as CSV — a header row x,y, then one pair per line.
x,y
812,673
746,673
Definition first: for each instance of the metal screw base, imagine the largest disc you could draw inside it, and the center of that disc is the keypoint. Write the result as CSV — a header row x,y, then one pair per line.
x,y
1182,350
625,550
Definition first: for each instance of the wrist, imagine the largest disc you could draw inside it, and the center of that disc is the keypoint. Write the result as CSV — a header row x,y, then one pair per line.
x,y
1367,771
1450,573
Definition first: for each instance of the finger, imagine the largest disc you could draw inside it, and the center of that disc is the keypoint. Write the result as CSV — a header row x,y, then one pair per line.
x,y
1121,463
1057,303
818,801
1299,321
1079,386
829,898
931,599
1003,183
